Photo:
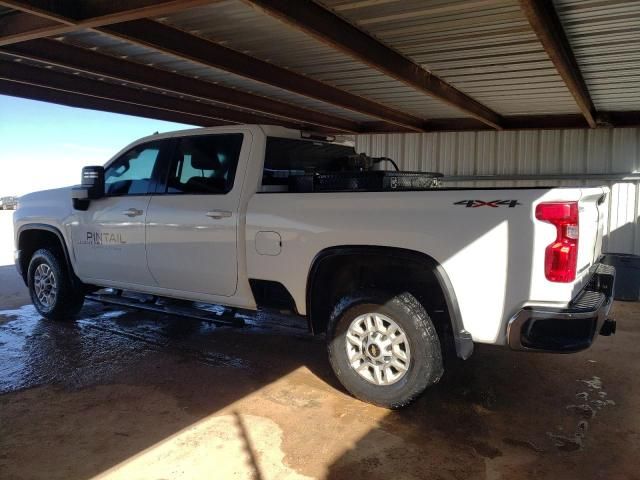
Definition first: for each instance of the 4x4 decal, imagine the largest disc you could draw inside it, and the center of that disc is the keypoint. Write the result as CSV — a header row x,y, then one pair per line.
x,y
492,204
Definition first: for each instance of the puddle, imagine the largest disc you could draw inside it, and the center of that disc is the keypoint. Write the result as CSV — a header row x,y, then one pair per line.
x,y
106,339
594,384
93,348
584,410
514,442
594,399
565,443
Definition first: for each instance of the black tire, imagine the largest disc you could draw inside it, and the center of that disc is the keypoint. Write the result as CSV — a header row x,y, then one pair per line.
x,y
68,299
425,363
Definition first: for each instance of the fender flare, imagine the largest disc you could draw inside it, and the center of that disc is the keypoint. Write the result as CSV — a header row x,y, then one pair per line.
x,y
61,240
462,339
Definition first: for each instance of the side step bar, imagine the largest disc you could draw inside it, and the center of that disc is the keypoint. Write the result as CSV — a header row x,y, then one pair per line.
x,y
227,318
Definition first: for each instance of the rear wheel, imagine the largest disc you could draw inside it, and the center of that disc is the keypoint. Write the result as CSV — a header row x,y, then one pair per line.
x,y
51,288
384,348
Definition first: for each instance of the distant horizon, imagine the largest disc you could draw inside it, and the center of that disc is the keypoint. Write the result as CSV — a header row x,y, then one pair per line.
x,y
45,145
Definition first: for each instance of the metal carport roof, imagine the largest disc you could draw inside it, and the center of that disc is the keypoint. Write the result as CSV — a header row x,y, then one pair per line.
x,y
355,66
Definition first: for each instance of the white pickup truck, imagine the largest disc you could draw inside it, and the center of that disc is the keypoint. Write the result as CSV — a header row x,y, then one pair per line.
x,y
394,269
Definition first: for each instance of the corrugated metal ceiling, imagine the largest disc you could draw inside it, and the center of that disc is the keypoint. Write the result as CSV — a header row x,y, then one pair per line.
x,y
605,38
242,28
147,56
485,48
106,81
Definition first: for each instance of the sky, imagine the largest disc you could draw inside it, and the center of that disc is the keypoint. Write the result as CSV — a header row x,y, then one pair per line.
x,y
44,145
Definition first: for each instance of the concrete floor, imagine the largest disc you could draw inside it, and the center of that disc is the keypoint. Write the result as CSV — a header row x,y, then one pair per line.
x,y
135,395
6,237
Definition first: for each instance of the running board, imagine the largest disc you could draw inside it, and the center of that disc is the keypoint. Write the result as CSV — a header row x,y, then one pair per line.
x,y
227,318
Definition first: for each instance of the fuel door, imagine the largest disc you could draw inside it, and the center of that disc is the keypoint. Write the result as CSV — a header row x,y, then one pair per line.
x,y
268,243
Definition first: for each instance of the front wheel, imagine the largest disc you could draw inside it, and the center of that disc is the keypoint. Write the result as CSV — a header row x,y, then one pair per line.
x,y
384,348
51,288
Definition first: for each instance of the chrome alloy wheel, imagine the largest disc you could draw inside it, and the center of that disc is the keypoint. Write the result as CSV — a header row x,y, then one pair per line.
x,y
377,349
44,285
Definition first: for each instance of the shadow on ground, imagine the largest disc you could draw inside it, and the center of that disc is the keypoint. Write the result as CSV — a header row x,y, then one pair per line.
x,y
142,395
508,415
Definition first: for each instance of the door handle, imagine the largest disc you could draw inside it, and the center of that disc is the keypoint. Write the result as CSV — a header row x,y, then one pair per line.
x,y
218,214
132,212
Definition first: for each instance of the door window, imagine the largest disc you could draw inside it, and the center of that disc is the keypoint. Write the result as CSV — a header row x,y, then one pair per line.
x,y
205,164
132,173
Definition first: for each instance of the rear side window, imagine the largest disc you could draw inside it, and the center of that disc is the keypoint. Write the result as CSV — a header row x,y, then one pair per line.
x,y
205,165
285,157
131,174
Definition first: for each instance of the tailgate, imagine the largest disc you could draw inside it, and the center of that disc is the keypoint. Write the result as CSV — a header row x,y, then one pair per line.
x,y
593,208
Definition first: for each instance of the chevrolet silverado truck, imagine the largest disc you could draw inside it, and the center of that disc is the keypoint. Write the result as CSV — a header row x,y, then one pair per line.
x,y
393,268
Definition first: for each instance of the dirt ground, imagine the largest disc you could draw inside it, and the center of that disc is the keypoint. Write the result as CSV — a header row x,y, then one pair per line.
x,y
128,395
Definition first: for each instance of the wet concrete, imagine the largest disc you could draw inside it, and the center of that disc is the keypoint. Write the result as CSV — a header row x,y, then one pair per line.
x,y
6,238
124,394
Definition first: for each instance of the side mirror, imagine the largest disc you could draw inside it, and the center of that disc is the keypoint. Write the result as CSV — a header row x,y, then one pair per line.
x,y
93,181
91,188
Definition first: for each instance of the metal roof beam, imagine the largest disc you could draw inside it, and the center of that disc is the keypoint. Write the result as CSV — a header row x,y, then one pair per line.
x,y
78,93
512,122
100,11
522,122
57,18
32,92
547,26
20,26
619,119
184,45
58,53
101,14
330,29
19,72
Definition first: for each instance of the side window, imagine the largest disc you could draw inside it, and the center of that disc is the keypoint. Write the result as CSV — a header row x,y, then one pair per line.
x,y
205,165
131,173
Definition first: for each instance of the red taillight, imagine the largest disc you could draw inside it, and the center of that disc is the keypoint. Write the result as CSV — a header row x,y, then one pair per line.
x,y
561,257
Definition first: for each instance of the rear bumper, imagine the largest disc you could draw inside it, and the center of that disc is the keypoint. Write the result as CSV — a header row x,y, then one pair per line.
x,y
570,329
